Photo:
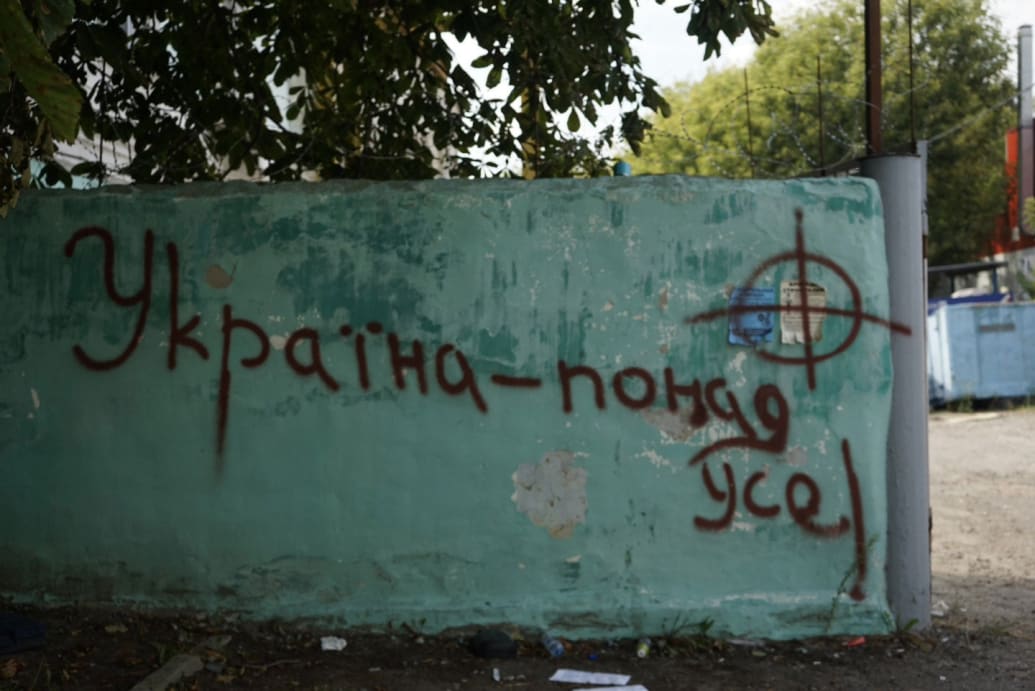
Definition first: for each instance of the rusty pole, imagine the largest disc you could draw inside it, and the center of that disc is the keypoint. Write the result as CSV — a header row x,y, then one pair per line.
x,y
874,98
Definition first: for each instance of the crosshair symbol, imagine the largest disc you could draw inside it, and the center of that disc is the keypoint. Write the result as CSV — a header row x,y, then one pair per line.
x,y
801,258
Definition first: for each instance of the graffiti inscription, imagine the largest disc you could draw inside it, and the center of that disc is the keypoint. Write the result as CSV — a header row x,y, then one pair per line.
x,y
633,388
803,514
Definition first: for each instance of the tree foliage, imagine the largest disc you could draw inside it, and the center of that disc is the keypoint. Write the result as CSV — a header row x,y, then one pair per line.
x,y
960,102
38,101
373,89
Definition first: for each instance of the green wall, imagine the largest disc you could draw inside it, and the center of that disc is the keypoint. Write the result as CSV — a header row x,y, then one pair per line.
x,y
487,483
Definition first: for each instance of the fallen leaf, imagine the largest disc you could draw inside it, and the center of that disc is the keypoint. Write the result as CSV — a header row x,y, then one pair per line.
x,y
10,668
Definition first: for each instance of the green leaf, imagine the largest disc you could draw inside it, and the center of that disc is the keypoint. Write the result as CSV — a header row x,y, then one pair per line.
x,y
89,169
51,88
53,17
494,77
573,121
483,61
5,74
515,93
54,174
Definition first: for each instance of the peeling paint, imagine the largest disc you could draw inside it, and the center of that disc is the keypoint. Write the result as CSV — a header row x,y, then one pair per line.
x,y
277,342
552,493
656,459
217,277
737,363
35,399
797,456
674,426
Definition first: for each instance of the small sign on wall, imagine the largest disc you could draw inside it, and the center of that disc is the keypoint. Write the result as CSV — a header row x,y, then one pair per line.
x,y
797,312
748,326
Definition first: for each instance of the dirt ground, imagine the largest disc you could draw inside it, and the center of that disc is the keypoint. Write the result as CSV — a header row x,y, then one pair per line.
x,y
983,559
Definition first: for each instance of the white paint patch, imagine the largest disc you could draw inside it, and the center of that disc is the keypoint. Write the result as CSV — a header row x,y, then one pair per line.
x,y
552,493
35,398
631,245
275,319
797,456
278,342
676,427
737,367
608,306
743,527
575,559
656,459
667,335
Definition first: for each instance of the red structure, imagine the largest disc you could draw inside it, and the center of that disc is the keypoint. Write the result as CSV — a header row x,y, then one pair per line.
x,y
1003,237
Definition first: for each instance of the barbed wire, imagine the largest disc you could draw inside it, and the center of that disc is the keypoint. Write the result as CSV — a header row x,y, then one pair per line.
x,y
851,144
782,127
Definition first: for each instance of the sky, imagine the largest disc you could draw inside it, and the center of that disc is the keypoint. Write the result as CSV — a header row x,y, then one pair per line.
x,y
668,55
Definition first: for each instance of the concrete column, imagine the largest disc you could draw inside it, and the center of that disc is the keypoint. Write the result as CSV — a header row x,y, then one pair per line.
x,y
909,557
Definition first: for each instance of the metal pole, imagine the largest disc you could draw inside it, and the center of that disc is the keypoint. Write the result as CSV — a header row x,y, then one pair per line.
x,y
874,99
925,219
912,86
747,105
1026,154
909,557
819,104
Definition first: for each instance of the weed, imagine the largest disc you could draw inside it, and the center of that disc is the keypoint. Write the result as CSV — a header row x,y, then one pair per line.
x,y
842,587
682,627
962,405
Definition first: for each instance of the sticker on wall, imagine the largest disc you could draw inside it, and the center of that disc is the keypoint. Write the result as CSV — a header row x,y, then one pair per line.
x,y
750,327
808,311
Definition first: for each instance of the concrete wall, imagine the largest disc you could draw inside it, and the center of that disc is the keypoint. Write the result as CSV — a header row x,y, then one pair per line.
x,y
452,402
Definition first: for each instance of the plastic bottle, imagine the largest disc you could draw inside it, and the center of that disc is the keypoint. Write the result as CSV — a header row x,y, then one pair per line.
x,y
552,645
643,647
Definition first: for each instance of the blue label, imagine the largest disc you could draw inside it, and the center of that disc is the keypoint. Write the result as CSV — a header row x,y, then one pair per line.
x,y
752,326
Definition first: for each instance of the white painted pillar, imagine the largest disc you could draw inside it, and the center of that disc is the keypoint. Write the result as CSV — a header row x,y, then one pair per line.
x,y
900,180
